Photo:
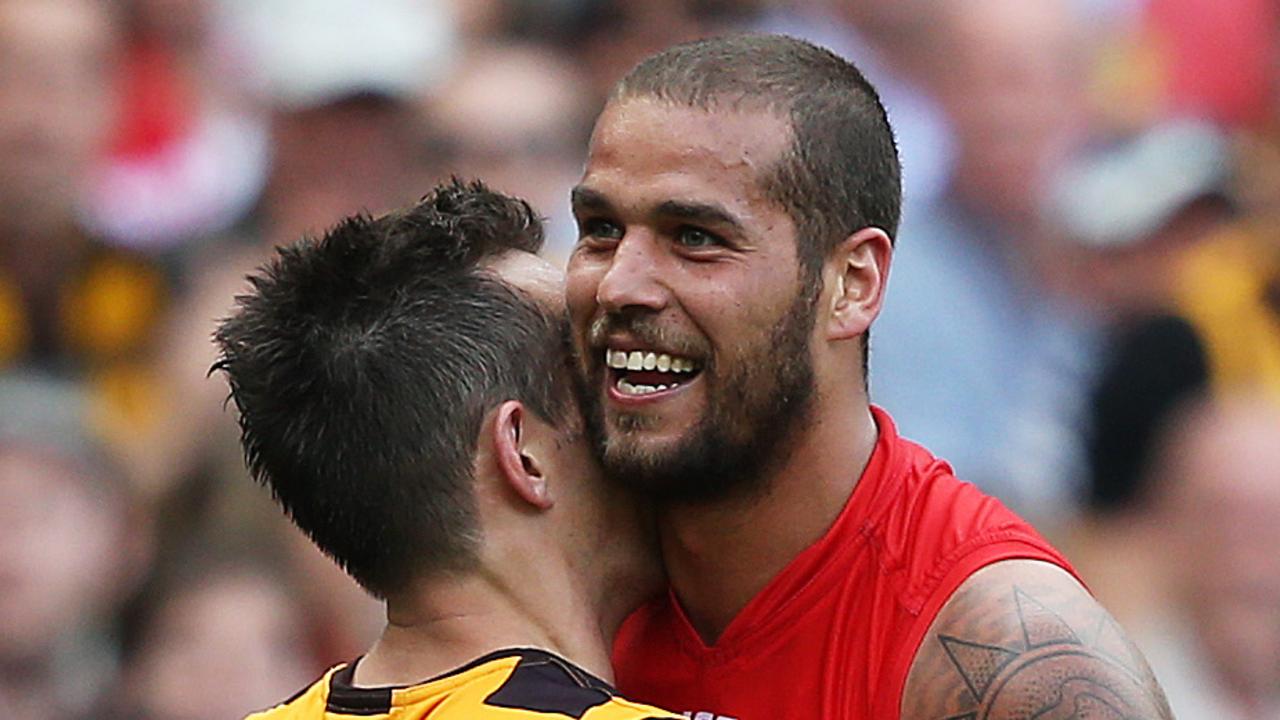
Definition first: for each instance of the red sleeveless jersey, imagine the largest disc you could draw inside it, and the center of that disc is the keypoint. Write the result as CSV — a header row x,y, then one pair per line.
x,y
834,634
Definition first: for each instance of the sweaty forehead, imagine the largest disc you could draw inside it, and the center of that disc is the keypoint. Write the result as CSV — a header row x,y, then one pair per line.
x,y
643,140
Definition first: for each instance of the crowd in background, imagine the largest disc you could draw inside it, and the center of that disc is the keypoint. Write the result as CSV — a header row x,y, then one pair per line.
x,y
1083,312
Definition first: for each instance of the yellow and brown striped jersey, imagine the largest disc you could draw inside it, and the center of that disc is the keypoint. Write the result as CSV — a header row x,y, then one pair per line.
x,y
508,684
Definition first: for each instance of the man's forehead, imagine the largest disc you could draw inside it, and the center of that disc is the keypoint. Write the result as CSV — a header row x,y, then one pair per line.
x,y
540,279
646,146
727,133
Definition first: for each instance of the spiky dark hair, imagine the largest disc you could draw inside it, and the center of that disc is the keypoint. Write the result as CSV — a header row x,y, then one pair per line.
x,y
363,362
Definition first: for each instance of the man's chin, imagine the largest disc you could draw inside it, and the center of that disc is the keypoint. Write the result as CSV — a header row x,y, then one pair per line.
x,y
640,427
634,447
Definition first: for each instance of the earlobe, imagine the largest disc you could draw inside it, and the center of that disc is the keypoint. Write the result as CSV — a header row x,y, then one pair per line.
x,y
518,465
859,269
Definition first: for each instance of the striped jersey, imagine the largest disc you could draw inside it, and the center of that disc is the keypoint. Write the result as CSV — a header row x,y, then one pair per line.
x,y
507,684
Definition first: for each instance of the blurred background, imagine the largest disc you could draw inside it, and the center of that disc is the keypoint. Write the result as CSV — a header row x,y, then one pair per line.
x,y
1083,316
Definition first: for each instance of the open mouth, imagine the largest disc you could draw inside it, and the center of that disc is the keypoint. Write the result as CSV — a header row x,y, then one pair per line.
x,y
635,373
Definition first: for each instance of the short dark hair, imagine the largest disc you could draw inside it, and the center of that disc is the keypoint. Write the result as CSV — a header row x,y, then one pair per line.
x,y
841,172
362,365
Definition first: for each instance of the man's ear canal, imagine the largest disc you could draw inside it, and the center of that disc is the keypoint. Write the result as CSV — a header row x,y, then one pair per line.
x,y
517,455
858,271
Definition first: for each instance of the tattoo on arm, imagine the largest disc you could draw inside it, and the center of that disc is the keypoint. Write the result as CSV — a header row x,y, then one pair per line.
x,y
1009,653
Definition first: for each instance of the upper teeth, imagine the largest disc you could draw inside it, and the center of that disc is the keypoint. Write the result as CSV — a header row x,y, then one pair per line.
x,y
642,360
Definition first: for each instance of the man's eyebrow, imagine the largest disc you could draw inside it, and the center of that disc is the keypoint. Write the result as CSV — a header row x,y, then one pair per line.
x,y
583,198
703,213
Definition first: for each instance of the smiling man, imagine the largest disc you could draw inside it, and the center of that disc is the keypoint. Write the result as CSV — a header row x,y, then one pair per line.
x,y
736,216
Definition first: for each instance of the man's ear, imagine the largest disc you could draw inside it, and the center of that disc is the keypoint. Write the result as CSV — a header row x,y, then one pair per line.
x,y
516,458
857,271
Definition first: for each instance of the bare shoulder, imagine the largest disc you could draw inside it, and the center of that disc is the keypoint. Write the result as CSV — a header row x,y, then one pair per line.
x,y
1022,639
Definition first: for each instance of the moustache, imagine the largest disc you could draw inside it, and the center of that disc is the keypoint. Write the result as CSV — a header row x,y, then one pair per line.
x,y
646,330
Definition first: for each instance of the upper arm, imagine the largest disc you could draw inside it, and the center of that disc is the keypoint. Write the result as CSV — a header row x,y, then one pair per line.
x,y
1022,639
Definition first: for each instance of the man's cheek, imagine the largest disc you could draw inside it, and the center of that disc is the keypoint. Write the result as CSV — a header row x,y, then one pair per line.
x,y
580,290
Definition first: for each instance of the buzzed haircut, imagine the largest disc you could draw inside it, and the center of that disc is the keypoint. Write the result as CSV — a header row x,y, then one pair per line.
x,y
362,364
841,172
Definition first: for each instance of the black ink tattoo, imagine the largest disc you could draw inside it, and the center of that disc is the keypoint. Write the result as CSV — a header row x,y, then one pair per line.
x,y
1054,673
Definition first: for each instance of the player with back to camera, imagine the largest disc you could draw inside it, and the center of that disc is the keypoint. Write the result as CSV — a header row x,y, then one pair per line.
x,y
403,389
736,218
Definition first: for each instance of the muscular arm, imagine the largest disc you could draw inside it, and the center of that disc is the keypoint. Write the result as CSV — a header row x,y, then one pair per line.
x,y
1022,640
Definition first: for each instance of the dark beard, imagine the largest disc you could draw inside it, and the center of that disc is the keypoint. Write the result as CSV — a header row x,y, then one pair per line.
x,y
754,414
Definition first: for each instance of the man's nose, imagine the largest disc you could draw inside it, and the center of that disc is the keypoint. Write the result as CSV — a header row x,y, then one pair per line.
x,y
632,280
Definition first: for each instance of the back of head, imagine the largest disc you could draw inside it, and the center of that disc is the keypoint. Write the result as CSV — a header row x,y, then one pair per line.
x,y
841,172
363,363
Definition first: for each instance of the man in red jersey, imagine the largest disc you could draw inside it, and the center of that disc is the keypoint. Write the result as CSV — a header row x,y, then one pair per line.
x,y
736,216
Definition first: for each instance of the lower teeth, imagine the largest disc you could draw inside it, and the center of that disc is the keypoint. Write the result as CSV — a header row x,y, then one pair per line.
x,y
629,389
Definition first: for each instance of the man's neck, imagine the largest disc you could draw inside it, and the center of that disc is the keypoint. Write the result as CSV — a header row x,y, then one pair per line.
x,y
450,622
719,556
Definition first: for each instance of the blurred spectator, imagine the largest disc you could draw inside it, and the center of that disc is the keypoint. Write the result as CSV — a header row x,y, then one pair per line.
x,y
344,89
478,20
1134,207
882,39
67,302
1235,86
610,36
900,32
72,543
342,79
217,634
1188,289
1229,289
349,152
1134,204
189,153
1009,75
1138,208
1214,526
56,82
517,116
974,354
1183,498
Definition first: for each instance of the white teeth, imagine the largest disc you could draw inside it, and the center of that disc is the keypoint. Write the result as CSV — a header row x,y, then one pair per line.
x,y
629,389
636,360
